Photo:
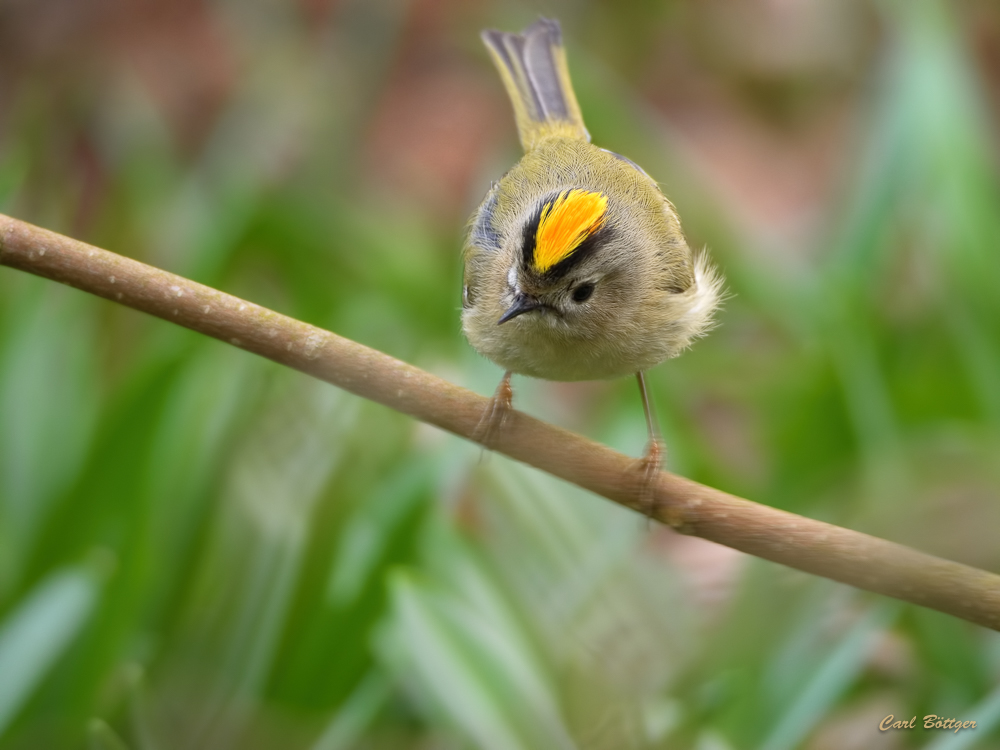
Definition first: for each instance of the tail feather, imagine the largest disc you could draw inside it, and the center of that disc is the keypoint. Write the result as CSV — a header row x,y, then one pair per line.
x,y
533,67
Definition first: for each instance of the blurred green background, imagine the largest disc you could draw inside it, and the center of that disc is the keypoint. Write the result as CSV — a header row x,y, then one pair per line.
x,y
200,549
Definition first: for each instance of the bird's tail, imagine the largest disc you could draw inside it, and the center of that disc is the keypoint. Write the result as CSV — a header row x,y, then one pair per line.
x,y
533,67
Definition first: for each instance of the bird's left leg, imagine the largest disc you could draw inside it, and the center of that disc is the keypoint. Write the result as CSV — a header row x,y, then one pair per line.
x,y
650,464
498,408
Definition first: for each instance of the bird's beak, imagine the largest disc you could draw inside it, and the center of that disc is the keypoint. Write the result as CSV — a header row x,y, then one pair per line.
x,y
522,303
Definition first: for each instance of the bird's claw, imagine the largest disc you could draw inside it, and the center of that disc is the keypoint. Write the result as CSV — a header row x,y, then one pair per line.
x,y
495,415
648,469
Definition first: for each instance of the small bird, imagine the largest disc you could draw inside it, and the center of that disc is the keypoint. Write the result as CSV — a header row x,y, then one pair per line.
x,y
576,267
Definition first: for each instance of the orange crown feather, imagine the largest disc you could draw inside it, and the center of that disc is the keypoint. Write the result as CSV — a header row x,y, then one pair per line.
x,y
565,223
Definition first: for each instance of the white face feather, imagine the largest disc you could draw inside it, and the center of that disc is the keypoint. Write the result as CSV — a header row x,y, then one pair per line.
x,y
512,279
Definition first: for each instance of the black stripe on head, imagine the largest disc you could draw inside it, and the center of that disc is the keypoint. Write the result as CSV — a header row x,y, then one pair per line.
x,y
583,250
529,235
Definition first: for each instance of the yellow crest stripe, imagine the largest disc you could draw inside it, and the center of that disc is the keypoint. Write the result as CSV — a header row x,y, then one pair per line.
x,y
565,223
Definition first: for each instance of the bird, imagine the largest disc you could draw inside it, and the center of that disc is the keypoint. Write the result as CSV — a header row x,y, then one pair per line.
x,y
575,263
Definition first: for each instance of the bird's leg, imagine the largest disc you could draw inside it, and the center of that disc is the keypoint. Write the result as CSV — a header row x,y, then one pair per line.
x,y
495,414
651,463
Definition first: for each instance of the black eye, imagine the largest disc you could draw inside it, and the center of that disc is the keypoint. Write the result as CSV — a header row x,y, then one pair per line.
x,y
582,293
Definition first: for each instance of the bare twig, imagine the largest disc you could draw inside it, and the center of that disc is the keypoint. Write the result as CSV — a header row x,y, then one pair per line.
x,y
851,557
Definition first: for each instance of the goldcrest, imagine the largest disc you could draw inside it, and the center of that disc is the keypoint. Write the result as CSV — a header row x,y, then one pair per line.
x,y
576,267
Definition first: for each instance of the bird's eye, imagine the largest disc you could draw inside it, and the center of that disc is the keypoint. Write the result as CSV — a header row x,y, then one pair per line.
x,y
582,293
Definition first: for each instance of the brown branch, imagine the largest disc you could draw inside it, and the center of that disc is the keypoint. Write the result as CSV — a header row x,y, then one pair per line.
x,y
851,557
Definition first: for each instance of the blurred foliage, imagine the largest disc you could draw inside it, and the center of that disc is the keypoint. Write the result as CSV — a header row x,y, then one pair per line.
x,y
199,549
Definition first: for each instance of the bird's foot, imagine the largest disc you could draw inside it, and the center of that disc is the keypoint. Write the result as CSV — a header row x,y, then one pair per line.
x,y
495,415
647,469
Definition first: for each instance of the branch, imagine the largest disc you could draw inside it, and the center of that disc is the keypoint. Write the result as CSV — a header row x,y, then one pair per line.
x,y
823,549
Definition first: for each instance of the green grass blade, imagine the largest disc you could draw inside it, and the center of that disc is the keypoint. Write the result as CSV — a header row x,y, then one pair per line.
x,y
36,634
831,680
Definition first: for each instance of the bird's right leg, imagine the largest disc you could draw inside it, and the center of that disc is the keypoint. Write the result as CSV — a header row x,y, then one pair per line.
x,y
495,414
